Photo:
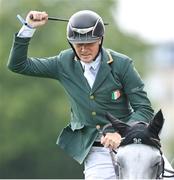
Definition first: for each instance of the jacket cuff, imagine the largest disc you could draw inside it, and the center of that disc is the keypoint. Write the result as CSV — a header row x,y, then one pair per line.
x,y
20,40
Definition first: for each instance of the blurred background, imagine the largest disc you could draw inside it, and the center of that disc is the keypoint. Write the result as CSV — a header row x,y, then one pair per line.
x,y
34,110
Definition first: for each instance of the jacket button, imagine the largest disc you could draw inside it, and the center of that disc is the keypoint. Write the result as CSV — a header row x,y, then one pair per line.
x,y
91,97
93,113
98,127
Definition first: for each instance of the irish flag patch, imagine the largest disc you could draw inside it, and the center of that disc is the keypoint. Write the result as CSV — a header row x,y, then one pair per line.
x,y
116,94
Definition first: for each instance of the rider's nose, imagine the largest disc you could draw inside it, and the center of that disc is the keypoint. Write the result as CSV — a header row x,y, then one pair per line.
x,y
83,47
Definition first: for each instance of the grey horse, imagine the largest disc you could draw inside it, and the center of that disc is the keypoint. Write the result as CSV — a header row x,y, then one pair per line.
x,y
139,155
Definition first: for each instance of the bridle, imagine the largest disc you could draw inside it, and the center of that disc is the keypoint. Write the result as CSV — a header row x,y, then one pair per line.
x,y
163,170
161,166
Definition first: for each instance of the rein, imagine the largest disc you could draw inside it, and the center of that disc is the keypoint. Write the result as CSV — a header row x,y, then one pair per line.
x,y
165,170
169,171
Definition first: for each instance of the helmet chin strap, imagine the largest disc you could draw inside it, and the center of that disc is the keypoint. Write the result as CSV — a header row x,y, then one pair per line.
x,y
100,47
74,50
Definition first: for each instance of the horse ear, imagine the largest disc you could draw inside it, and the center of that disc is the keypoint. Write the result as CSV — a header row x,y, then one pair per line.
x,y
119,126
157,122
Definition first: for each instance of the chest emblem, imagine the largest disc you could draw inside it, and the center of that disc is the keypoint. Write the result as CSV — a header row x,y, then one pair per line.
x,y
115,95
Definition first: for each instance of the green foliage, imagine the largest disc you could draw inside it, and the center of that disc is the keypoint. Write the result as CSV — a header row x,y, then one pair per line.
x,y
33,110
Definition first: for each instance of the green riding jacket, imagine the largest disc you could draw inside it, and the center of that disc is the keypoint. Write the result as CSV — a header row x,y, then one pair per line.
x,y
118,89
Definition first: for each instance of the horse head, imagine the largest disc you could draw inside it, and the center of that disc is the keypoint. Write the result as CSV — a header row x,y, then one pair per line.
x,y
139,155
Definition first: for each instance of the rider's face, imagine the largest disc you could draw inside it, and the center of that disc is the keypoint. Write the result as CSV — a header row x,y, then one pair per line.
x,y
87,51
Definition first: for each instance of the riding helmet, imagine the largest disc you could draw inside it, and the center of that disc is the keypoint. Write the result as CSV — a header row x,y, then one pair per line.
x,y
85,27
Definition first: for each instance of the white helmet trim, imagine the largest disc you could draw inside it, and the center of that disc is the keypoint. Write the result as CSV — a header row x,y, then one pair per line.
x,y
83,31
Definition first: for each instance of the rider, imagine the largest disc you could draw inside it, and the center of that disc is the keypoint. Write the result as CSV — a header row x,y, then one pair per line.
x,y
97,80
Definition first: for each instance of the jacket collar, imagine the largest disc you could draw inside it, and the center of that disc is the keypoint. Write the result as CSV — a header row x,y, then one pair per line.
x,y
104,69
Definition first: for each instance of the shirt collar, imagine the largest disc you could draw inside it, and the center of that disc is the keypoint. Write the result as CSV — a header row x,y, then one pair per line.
x,y
93,64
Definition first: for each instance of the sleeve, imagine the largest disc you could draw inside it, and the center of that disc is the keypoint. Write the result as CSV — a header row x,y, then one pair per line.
x,y
137,97
19,62
26,32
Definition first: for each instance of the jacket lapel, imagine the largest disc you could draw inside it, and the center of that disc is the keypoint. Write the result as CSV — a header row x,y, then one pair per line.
x,y
104,69
80,77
